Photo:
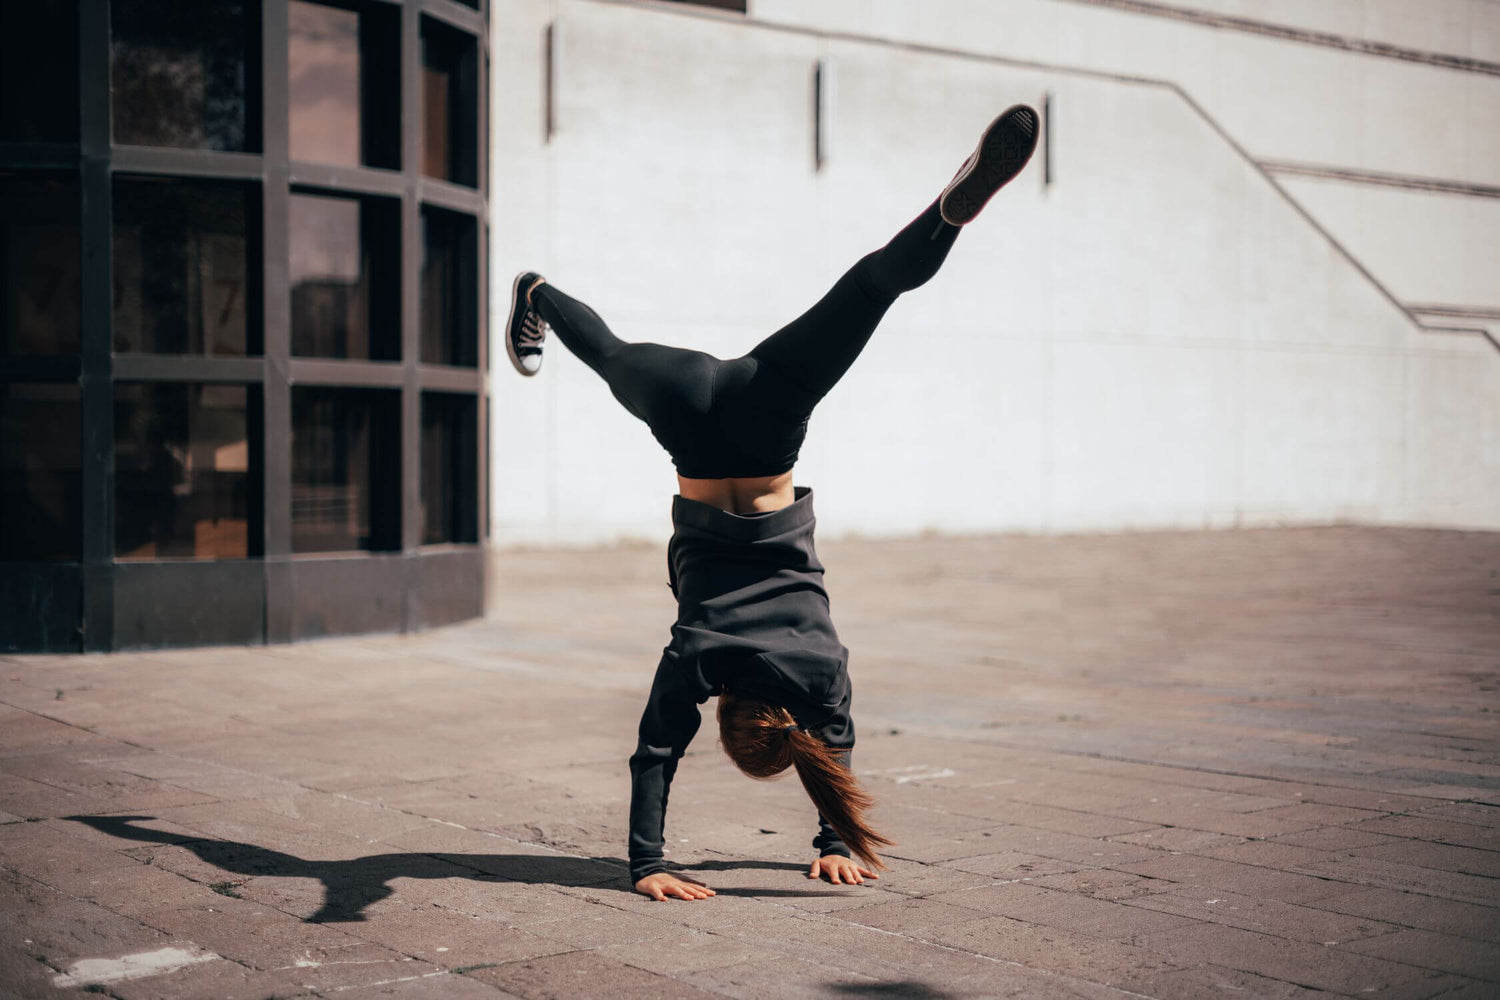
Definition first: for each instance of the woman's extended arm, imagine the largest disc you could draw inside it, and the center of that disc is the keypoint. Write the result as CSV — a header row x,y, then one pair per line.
x,y
668,725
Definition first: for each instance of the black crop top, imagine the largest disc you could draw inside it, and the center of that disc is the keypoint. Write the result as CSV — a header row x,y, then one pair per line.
x,y
729,419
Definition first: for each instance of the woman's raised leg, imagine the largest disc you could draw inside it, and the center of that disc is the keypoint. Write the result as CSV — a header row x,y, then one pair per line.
x,y
661,385
814,350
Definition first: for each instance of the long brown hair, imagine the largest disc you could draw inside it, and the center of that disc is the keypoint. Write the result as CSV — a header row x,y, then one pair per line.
x,y
764,740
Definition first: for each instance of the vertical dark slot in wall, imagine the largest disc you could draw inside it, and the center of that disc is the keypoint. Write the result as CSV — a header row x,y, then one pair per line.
x,y
1047,139
820,71
549,81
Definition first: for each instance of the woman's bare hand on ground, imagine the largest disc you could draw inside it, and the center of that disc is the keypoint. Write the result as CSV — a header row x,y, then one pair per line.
x,y
840,870
664,884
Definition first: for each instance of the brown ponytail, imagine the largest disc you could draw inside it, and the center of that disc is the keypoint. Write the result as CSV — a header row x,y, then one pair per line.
x,y
763,741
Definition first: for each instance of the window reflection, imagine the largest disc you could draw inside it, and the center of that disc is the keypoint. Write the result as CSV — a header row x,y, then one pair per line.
x,y
178,73
449,468
450,288
343,66
323,57
182,471
346,278
346,469
40,488
39,264
183,278
450,87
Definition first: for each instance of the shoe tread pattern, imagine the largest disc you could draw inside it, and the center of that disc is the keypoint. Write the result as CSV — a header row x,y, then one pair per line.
x,y
1005,148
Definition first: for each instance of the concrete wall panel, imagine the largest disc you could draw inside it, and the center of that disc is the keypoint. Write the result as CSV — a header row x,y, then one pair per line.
x,y
1426,247
1281,100
1323,436
1144,435
1452,474
1468,28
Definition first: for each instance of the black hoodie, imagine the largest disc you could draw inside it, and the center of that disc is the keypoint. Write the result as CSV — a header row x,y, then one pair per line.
x,y
752,618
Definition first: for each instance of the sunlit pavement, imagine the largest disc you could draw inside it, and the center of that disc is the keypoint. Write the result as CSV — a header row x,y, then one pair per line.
x,y
1259,763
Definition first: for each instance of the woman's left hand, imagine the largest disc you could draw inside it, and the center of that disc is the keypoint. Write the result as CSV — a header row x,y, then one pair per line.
x,y
840,870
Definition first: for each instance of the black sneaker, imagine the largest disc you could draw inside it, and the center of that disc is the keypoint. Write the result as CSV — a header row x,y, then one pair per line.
x,y
1003,150
524,330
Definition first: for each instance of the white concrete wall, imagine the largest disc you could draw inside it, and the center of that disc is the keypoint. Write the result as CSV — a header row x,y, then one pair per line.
x,y
1282,100
1160,339
1469,28
1425,246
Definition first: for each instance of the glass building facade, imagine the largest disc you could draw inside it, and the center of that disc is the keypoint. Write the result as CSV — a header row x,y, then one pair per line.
x,y
242,344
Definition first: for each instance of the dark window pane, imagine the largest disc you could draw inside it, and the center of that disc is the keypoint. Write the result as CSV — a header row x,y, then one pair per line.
x,y
345,276
450,110
186,267
343,67
182,73
183,484
39,71
39,264
346,469
39,472
450,462
450,289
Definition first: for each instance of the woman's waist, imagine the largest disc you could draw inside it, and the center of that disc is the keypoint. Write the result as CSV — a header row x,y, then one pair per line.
x,y
753,496
710,523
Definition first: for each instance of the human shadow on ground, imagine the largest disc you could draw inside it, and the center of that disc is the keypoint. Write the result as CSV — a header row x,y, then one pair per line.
x,y
351,885
906,990
734,866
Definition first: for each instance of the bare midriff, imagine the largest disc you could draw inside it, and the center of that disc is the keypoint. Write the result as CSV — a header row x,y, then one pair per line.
x,y
744,495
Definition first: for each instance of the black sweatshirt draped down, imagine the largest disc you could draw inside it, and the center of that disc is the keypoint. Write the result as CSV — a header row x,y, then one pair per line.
x,y
752,619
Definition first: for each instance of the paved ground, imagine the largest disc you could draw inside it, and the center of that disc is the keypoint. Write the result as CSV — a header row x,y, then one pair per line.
x,y
1257,763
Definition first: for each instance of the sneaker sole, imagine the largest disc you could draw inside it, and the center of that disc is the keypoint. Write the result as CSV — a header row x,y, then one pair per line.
x,y
1003,151
510,322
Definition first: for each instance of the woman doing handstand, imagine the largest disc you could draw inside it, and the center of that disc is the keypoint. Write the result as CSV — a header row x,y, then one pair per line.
x,y
752,623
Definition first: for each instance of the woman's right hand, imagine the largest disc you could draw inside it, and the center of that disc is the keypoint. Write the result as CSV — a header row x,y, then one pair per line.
x,y
663,884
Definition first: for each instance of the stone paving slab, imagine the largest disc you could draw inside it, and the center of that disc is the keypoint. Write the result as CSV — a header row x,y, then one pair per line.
x,y
1260,763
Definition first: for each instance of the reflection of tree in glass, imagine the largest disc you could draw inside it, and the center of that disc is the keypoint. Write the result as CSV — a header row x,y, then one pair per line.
x,y
181,266
178,74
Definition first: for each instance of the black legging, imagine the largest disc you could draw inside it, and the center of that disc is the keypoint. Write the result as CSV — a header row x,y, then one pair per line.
x,y
747,416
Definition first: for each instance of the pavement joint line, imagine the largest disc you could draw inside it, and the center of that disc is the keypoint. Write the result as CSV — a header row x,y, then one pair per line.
x,y
385,982
1048,973
1146,761
287,781
1136,905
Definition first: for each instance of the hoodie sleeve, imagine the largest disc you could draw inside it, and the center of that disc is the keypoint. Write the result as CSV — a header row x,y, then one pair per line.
x,y
827,841
668,725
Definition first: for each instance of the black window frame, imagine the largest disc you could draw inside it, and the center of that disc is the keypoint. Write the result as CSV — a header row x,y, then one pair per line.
x,y
98,602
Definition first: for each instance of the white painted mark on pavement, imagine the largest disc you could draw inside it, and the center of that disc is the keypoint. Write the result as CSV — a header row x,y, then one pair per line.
x,y
920,772
137,966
